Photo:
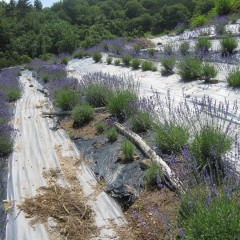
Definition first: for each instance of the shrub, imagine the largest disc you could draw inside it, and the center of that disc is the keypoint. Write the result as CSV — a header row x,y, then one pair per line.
x,y
140,122
168,64
184,48
100,127
228,45
80,54
109,60
46,56
136,63
82,114
119,103
209,145
210,216
97,57
96,94
128,150
151,52
147,66
117,62
6,145
152,174
234,78
66,98
190,69
64,60
112,135
209,71
223,7
171,137
199,21
12,93
203,45
126,60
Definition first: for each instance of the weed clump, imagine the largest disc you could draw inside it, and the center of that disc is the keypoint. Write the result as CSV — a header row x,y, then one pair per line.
x,y
100,127
128,150
112,134
152,176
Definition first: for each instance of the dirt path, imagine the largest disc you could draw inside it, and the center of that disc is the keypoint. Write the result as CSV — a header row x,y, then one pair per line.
x,y
38,149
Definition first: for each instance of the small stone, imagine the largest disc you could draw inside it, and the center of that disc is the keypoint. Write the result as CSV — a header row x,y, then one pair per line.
x,y
145,164
30,85
188,96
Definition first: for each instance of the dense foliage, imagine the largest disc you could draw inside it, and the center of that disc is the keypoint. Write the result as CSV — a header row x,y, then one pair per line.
x,y
28,31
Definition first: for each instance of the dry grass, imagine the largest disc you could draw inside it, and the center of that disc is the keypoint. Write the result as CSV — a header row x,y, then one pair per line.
x,y
65,205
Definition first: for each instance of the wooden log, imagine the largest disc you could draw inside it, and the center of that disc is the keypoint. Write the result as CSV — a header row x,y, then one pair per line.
x,y
151,154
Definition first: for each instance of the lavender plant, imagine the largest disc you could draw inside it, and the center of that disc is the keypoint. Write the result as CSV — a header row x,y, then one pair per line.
x,y
126,60
168,66
97,57
190,68
184,48
148,66
117,62
119,103
234,78
52,72
203,45
82,114
171,137
140,122
209,71
136,63
109,60
228,45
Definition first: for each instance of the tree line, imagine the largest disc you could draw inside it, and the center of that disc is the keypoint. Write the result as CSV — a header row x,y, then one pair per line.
x,y
29,30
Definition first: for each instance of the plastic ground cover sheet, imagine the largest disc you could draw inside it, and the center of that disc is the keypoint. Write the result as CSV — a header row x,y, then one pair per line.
x,y
35,152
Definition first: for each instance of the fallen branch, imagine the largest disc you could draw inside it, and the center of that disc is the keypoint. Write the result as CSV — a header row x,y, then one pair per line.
x,y
65,113
151,154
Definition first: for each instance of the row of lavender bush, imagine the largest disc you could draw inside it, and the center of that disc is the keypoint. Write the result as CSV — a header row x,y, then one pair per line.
x,y
10,90
199,132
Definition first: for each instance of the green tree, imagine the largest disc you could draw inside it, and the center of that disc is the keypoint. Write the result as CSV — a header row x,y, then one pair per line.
x,y
38,4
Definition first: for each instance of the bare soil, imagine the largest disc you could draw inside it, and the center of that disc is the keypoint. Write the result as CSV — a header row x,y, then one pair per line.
x,y
153,215
87,131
